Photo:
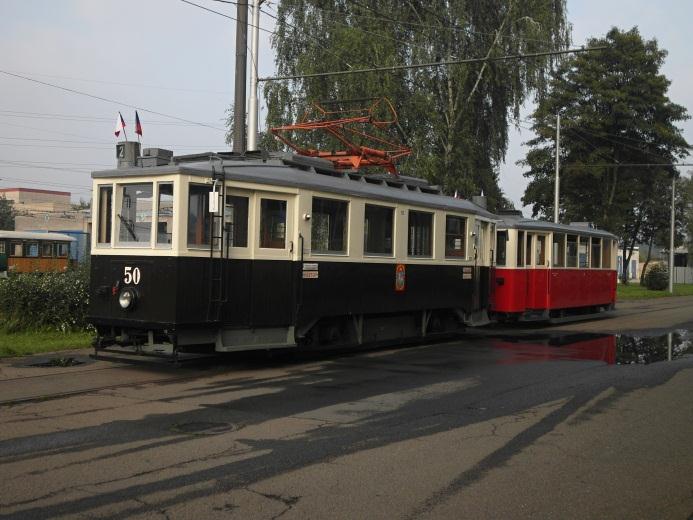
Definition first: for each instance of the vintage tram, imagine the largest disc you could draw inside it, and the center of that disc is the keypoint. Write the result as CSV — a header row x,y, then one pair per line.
x,y
229,253
27,252
552,272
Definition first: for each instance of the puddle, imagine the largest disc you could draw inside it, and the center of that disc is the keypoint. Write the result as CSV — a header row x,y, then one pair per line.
x,y
613,349
203,428
58,362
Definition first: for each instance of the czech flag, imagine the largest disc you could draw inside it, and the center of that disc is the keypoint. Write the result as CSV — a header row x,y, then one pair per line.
x,y
138,125
120,124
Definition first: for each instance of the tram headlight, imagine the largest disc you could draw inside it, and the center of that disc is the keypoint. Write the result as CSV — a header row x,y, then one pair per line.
x,y
126,299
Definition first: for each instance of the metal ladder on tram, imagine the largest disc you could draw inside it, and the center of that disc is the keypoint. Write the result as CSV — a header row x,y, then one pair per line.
x,y
217,253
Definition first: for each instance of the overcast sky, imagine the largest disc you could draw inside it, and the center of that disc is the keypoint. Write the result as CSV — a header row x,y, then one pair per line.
x,y
175,59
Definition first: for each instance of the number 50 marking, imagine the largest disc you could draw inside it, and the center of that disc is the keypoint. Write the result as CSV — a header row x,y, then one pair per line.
x,y
132,275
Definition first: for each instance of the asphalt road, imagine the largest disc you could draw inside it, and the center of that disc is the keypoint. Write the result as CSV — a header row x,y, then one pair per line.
x,y
494,425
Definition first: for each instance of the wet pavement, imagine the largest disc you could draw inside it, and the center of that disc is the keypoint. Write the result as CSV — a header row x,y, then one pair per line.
x,y
537,423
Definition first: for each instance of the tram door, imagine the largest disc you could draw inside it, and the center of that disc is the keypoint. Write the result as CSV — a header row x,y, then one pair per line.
x,y
537,272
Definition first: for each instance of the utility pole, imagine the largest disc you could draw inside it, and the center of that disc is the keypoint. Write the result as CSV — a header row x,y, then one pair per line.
x,y
671,235
557,187
252,103
239,89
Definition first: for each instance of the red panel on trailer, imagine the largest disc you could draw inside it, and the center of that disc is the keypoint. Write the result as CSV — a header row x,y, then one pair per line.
x,y
518,290
581,288
510,290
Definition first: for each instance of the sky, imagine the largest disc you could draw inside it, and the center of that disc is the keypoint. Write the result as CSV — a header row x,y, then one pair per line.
x,y
175,62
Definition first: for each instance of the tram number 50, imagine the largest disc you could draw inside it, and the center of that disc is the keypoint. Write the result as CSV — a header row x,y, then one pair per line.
x,y
132,275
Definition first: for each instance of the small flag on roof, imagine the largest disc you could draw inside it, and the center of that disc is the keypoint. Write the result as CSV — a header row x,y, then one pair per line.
x,y
120,125
138,125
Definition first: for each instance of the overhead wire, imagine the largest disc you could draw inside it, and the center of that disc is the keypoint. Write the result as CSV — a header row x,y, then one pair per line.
x,y
107,100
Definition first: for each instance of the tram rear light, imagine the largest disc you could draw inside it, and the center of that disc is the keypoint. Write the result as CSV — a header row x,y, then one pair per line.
x,y
126,298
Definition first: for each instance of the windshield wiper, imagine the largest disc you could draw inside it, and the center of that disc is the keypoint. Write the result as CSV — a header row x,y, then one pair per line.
x,y
128,226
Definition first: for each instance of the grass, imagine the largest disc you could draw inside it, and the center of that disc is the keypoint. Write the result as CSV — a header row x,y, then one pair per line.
x,y
635,291
26,343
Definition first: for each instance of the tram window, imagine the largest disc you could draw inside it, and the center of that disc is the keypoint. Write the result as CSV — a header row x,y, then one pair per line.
x,y
377,236
2,248
198,215
520,248
420,233
572,250
606,253
501,247
236,217
16,249
47,249
558,250
135,217
540,250
62,250
105,214
584,252
596,252
164,218
328,229
32,250
273,223
455,236
528,250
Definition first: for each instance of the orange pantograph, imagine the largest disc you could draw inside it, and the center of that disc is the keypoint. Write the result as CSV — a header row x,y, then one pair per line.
x,y
350,127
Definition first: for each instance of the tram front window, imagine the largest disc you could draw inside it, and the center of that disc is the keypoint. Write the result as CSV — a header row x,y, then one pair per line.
x,y
198,216
135,216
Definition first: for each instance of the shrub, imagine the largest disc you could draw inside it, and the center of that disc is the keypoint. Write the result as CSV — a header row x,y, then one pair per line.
x,y
56,301
657,277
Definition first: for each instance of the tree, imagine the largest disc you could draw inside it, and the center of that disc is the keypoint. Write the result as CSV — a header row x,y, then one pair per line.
x,y
7,214
615,114
456,117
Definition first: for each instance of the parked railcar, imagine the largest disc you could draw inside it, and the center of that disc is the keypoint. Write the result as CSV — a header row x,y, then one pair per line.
x,y
552,272
26,252
233,253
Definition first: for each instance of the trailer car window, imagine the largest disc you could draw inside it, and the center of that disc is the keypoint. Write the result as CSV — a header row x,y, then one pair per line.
x,y
16,249
328,230
236,217
528,250
572,249
558,251
540,250
135,216
606,253
377,232
520,248
47,249
164,218
420,233
273,223
584,252
2,248
32,250
198,215
63,249
501,247
455,236
105,214
596,252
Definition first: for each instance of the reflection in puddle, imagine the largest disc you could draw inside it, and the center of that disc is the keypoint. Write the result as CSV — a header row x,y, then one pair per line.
x,y
620,349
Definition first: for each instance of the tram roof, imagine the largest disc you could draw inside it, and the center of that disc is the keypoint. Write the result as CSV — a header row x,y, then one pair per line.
x,y
511,222
36,235
309,173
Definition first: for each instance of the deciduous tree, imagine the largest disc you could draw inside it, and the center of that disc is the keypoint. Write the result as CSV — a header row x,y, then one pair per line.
x,y
615,117
456,117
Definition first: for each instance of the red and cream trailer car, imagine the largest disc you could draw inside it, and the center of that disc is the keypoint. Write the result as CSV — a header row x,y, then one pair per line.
x,y
552,272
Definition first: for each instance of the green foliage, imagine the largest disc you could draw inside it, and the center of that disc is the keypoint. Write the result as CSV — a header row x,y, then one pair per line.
x,y
614,113
657,277
7,214
35,301
456,117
